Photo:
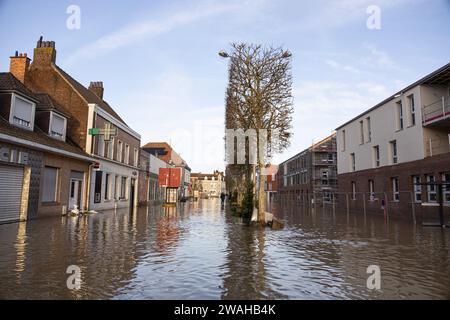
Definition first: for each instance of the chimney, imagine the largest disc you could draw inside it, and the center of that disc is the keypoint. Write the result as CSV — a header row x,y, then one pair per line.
x,y
18,66
97,88
44,53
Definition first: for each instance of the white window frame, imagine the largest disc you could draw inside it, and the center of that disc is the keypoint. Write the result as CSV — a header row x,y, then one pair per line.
x,y
446,189
361,132
107,194
14,97
353,184
412,110
376,156
431,189
399,111
352,162
394,151
110,154
136,157
119,150
417,187
127,153
101,146
55,199
53,114
395,189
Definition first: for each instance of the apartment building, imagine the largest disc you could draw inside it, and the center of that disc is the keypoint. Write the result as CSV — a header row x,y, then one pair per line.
x,y
208,184
94,126
385,153
310,176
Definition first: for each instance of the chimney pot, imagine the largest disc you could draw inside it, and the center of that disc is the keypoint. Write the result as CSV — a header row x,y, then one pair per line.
x,y
97,88
19,65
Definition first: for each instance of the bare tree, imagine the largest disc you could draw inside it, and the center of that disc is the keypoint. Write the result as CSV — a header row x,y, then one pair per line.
x,y
259,97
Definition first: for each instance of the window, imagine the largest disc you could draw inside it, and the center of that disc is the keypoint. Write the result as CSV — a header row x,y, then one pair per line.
x,y
325,174
13,156
395,192
116,187
136,157
446,188
417,187
50,180
353,190
22,113
412,110
371,190
119,151
431,188
369,130
352,162
123,187
330,158
110,148
107,186
361,132
101,145
399,115
127,154
376,156
393,146
343,140
57,126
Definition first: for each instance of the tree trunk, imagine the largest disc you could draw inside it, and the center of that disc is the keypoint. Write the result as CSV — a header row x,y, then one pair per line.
x,y
261,197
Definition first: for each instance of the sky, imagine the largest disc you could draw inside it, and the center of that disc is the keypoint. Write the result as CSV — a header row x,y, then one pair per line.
x,y
161,72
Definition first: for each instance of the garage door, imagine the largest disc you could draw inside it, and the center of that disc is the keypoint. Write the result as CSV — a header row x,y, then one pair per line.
x,y
11,179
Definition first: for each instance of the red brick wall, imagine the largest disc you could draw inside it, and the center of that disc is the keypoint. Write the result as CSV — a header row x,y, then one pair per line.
x,y
435,165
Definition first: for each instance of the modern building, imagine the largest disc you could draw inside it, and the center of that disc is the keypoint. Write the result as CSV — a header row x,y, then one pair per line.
x,y
42,171
208,184
163,151
94,126
310,176
389,151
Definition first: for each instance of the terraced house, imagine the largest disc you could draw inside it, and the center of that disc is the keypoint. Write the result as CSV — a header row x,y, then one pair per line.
x,y
94,126
395,151
42,170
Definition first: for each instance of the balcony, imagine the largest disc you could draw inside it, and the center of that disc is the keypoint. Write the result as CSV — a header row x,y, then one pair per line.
x,y
437,113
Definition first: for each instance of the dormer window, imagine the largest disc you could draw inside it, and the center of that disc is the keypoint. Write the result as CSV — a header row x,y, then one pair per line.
x,y
57,128
22,112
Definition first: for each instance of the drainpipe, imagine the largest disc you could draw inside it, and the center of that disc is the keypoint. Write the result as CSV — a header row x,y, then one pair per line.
x,y
88,187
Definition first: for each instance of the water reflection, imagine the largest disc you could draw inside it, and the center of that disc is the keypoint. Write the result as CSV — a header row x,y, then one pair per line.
x,y
200,251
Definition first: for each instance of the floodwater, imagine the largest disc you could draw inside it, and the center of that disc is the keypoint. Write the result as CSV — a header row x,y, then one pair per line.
x,y
200,251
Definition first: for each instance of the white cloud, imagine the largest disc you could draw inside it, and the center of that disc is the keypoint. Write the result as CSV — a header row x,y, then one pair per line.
x,y
134,32
336,65
377,58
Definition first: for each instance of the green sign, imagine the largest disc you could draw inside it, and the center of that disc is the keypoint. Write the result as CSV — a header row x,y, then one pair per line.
x,y
94,131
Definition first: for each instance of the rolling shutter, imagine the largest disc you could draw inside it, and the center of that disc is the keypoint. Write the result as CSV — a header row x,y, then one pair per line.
x,y
11,179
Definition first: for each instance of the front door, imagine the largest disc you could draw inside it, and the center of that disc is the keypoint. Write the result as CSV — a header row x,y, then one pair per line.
x,y
132,191
75,193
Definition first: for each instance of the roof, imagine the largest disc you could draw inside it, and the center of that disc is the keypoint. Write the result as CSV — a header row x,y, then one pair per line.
x,y
88,95
199,174
9,83
48,103
38,136
437,77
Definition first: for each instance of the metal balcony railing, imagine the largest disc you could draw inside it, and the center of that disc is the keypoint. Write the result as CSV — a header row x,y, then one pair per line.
x,y
436,111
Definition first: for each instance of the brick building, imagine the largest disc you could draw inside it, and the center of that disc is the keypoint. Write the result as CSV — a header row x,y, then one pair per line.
x,y
114,180
165,152
42,171
310,176
385,153
208,184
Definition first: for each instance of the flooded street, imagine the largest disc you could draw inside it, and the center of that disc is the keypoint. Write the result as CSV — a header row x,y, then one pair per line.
x,y
200,251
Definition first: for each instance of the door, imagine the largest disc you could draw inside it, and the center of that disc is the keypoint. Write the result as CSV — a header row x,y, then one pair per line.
x,y
11,180
132,192
75,194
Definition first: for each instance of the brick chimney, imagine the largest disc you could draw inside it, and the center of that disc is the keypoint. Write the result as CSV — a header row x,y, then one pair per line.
x,y
97,88
19,65
44,53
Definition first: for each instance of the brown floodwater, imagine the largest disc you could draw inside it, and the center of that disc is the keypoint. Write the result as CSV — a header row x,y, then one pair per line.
x,y
200,251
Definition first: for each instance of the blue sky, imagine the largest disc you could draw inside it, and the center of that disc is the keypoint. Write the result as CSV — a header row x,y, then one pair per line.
x,y
159,64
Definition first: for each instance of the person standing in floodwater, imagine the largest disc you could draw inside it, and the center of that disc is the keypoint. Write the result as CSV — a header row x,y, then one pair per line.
x,y
222,198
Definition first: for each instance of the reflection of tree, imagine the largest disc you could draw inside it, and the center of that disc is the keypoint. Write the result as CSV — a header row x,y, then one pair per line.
x,y
246,276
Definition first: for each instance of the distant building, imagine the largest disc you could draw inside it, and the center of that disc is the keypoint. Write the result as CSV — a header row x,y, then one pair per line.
x,y
163,151
208,184
310,176
271,186
386,152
